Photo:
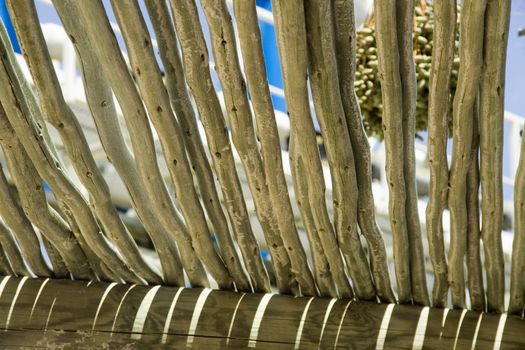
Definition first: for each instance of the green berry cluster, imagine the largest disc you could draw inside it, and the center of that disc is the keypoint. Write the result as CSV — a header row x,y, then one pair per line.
x,y
368,86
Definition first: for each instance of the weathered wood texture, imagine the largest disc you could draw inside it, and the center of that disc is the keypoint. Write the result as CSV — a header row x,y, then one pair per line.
x,y
79,314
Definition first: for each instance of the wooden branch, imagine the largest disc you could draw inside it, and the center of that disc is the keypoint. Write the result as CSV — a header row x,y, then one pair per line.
x,y
291,40
5,267
11,250
59,114
20,227
196,66
321,269
407,73
492,98
474,269
17,112
58,265
157,102
100,100
391,91
167,43
27,91
34,203
100,269
517,282
471,55
324,82
438,115
58,313
95,23
235,93
345,40
268,136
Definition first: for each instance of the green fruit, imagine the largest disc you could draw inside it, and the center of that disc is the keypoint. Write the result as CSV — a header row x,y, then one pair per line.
x,y
368,86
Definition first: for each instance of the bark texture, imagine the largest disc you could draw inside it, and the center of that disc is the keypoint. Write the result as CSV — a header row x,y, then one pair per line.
x,y
517,282
35,206
438,116
492,97
324,81
267,134
100,100
180,102
290,30
345,41
97,26
20,227
474,269
405,23
196,64
471,56
392,93
157,102
47,165
59,114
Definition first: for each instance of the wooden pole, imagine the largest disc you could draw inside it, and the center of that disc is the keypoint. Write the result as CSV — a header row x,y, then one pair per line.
x,y
438,115
97,26
196,67
56,111
158,107
407,74
100,100
471,49
267,133
58,313
388,63
324,82
345,40
291,42
182,107
491,111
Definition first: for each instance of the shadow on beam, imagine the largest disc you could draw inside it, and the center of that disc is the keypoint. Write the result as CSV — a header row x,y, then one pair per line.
x,y
78,314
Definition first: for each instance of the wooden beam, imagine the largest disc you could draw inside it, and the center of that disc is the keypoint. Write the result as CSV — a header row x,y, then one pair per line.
x,y
57,313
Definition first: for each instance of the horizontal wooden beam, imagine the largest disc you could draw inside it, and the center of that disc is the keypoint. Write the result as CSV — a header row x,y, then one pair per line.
x,y
79,314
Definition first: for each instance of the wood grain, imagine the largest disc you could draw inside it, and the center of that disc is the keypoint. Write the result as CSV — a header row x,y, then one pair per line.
x,y
354,325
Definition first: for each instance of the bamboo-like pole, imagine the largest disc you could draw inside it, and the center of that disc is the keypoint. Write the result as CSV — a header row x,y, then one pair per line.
x,y
180,102
49,168
21,228
474,269
438,116
11,250
59,114
196,65
290,30
96,24
391,90
345,40
492,99
100,100
517,282
268,136
157,102
407,73
324,82
471,56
